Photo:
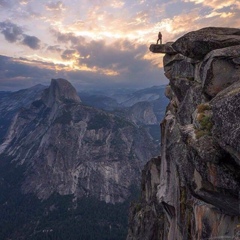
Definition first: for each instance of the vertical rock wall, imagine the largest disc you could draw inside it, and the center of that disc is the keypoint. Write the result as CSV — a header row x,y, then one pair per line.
x,y
199,172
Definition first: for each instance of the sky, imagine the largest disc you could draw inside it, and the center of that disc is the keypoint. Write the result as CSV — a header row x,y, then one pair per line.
x,y
97,43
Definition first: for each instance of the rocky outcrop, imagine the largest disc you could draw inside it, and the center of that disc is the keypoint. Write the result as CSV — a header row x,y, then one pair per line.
x,y
220,69
197,44
162,48
199,178
69,148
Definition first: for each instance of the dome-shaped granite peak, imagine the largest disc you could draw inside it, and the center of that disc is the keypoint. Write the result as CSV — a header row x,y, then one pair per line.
x,y
60,90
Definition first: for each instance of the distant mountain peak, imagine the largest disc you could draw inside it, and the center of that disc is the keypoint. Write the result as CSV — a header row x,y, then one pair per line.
x,y
60,90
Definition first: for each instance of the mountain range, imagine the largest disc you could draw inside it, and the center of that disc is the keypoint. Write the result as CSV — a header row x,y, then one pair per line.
x,y
60,156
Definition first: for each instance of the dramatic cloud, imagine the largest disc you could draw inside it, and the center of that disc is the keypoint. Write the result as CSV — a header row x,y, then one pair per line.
x,y
14,33
111,59
68,54
67,38
99,42
31,41
11,31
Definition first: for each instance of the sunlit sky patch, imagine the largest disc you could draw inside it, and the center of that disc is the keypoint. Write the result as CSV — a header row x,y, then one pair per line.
x,y
103,43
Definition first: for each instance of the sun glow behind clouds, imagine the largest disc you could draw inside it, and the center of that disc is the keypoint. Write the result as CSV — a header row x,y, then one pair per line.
x,y
45,63
105,37
67,65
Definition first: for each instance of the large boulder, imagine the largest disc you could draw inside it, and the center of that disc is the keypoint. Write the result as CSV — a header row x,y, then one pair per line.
x,y
226,118
180,71
197,44
220,68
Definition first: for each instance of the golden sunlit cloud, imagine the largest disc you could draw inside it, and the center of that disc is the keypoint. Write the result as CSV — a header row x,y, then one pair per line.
x,y
213,14
141,17
43,62
84,67
108,72
226,15
174,26
222,14
154,59
215,4
104,25
117,4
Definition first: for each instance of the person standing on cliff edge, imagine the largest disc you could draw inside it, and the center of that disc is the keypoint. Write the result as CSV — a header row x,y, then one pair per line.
x,y
159,38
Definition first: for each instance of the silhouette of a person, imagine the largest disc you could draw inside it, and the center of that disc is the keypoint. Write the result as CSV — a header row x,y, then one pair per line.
x,y
159,38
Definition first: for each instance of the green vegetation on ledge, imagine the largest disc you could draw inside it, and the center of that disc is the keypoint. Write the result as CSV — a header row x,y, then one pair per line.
x,y
205,121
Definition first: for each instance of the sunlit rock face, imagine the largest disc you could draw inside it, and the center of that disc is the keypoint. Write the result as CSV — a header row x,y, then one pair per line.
x,y
68,148
199,176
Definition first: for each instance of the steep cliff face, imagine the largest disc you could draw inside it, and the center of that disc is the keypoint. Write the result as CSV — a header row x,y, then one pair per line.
x,y
199,177
11,102
146,219
68,148
141,113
